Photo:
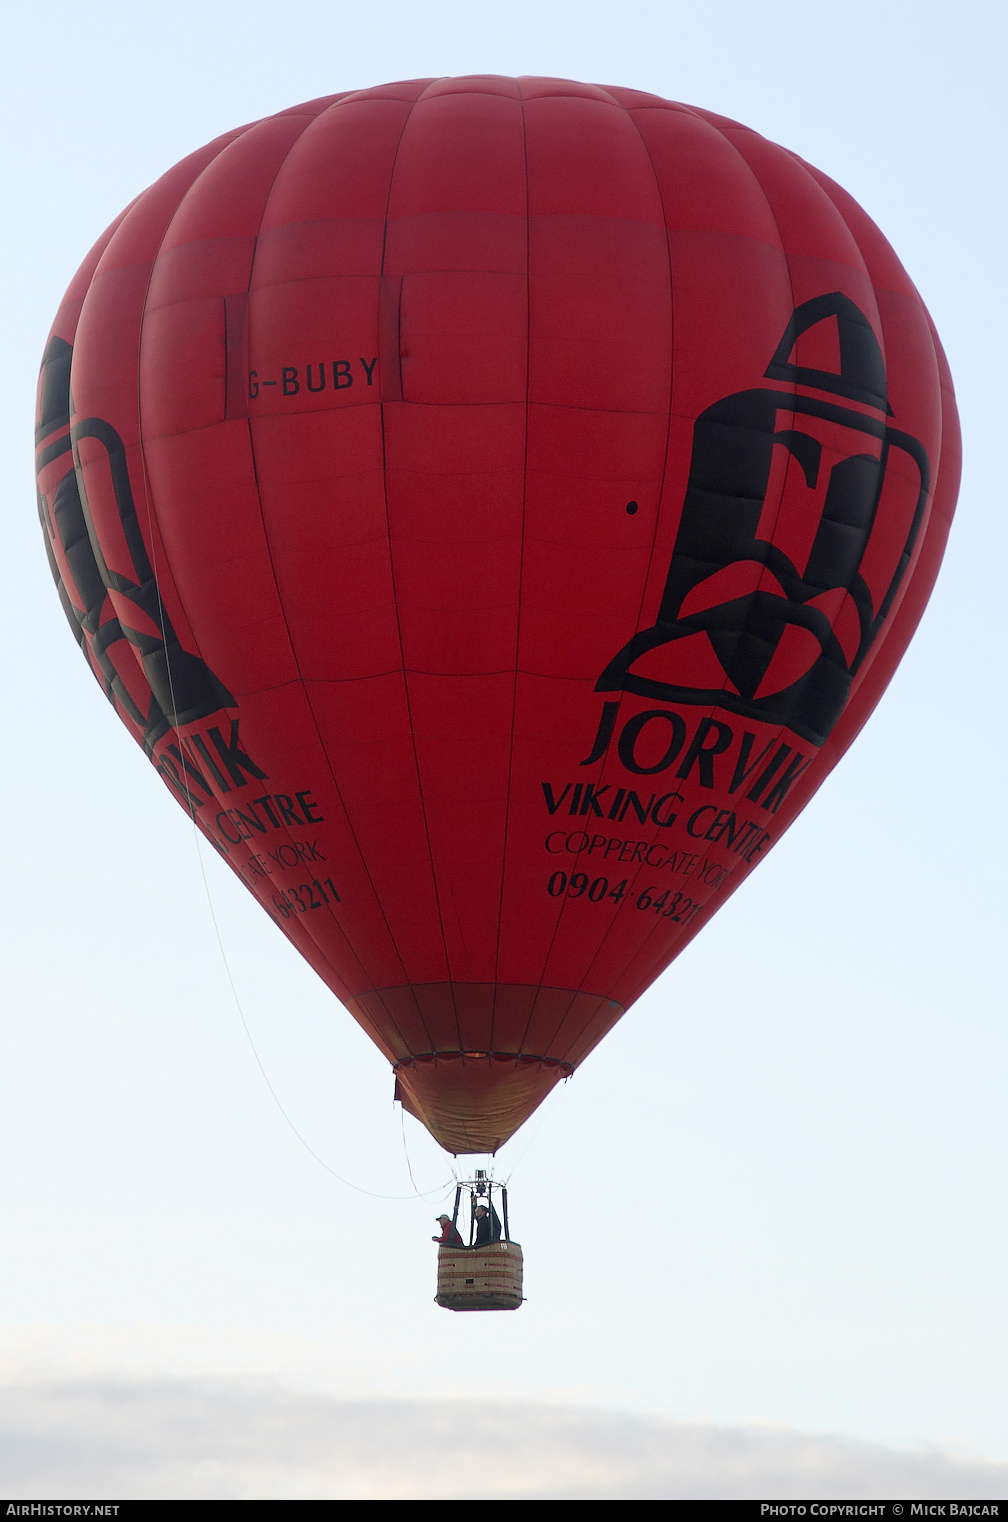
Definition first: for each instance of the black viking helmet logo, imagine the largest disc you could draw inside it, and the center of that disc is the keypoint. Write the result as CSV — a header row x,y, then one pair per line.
x,y
783,574
182,686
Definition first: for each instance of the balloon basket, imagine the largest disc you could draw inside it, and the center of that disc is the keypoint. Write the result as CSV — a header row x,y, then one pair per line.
x,y
480,1278
486,1275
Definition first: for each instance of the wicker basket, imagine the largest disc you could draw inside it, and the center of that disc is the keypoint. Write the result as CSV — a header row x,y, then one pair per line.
x,y
480,1278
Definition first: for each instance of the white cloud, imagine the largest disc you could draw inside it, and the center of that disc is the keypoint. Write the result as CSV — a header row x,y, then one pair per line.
x,y
236,1436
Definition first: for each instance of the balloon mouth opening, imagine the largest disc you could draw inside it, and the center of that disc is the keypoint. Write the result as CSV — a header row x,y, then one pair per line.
x,y
474,1101
515,1059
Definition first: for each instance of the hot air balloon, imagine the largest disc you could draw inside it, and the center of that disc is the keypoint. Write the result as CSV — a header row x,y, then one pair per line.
x,y
494,506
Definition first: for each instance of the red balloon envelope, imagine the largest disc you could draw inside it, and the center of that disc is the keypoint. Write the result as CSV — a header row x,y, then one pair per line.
x,y
494,505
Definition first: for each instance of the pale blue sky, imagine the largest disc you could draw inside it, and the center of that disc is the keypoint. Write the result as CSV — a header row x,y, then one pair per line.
x,y
777,1192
